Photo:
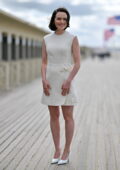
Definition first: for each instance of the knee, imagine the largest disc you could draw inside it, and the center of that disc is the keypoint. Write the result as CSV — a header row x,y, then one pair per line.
x,y
68,118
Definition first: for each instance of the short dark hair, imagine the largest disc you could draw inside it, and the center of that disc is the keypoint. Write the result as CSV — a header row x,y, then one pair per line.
x,y
52,20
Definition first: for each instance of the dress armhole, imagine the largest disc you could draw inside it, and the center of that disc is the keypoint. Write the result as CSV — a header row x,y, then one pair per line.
x,y
72,42
74,36
44,40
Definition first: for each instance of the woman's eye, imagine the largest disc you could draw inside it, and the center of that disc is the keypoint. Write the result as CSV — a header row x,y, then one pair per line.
x,y
65,19
57,18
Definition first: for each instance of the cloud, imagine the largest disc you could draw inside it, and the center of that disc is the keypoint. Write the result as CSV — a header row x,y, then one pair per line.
x,y
88,18
79,8
82,9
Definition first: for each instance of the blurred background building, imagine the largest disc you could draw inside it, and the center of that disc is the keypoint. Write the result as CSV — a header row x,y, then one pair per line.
x,y
20,50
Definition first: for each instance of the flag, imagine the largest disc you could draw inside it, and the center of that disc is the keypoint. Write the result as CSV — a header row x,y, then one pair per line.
x,y
115,20
108,34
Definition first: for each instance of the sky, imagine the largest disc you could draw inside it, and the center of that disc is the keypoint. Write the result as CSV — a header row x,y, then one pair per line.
x,y
88,18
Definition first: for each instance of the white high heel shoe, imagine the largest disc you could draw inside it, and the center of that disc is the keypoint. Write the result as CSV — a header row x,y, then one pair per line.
x,y
62,162
55,160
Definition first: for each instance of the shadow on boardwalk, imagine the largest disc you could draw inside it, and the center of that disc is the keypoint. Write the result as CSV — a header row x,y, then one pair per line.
x,y
25,138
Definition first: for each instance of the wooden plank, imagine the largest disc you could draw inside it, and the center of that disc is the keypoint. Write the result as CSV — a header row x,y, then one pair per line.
x,y
25,137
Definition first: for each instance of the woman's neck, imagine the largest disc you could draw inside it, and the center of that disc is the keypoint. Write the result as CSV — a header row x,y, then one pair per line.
x,y
59,31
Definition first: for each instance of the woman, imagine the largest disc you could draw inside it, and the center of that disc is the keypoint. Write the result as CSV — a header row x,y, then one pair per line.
x,y
60,64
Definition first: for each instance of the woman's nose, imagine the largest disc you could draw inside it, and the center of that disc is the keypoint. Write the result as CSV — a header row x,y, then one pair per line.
x,y
62,21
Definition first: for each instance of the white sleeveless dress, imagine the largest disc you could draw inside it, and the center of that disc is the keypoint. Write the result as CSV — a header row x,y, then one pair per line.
x,y
59,65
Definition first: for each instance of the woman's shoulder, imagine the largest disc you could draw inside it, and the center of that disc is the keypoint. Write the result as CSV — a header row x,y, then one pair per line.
x,y
70,34
47,36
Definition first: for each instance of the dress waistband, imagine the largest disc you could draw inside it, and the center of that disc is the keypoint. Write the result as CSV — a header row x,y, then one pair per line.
x,y
61,67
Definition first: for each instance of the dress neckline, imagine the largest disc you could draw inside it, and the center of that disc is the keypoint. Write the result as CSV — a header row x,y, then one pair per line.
x,y
60,34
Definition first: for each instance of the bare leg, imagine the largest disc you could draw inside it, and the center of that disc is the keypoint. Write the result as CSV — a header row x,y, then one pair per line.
x,y
55,128
69,129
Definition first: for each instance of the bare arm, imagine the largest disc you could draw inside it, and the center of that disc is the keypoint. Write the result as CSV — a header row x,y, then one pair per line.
x,y
46,85
76,57
44,61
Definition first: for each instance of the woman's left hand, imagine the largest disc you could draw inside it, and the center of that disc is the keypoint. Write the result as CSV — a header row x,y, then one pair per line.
x,y
66,87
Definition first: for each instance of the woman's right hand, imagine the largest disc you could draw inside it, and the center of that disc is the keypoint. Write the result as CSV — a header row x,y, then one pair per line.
x,y
46,87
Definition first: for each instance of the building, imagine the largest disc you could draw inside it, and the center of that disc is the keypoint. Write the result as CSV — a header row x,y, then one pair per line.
x,y
20,51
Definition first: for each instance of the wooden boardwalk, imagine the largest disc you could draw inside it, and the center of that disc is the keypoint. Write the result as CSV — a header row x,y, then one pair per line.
x,y
25,138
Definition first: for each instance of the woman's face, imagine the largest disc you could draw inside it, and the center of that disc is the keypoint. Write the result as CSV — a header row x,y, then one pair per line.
x,y
61,21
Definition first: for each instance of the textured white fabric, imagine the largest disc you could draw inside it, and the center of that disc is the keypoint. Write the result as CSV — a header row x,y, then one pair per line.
x,y
59,64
